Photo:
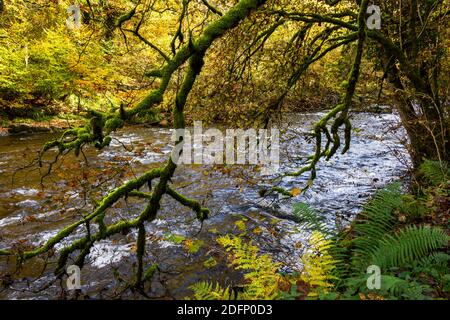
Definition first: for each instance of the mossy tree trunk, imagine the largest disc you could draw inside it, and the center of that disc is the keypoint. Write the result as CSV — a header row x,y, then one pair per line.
x,y
417,77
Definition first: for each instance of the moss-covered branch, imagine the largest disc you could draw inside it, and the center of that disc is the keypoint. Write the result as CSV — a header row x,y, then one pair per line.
x,y
107,202
212,8
339,113
315,56
202,213
376,35
95,134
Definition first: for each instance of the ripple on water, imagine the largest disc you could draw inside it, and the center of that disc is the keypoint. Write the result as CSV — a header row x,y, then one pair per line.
x,y
105,253
23,192
32,204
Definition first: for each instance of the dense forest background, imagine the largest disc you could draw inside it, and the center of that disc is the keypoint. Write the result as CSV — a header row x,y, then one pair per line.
x,y
49,69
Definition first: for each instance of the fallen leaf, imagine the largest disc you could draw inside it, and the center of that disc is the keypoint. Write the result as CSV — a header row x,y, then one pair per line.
x,y
257,230
296,191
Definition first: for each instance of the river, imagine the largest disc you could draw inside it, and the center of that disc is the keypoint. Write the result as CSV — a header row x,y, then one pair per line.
x,y
30,213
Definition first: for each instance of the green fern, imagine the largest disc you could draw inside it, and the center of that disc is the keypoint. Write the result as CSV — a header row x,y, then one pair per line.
x,y
391,288
436,172
208,291
375,239
435,266
438,261
406,289
409,244
310,218
376,243
414,207
376,220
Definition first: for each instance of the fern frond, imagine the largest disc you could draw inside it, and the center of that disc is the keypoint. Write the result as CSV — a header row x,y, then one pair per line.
x,y
409,244
375,221
208,291
435,171
310,218
261,273
318,265
437,260
391,287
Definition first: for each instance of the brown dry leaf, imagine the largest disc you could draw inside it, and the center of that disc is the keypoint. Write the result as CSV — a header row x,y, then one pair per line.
x,y
298,245
284,285
303,289
31,218
157,150
373,296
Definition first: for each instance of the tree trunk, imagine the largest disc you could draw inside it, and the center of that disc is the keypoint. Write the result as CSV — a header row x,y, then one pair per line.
x,y
428,139
424,120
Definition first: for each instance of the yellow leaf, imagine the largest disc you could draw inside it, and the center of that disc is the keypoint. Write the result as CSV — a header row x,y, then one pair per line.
x,y
210,263
257,230
241,225
296,191
192,246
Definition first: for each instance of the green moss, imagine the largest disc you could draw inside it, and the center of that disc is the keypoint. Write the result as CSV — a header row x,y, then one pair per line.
x,y
113,124
148,275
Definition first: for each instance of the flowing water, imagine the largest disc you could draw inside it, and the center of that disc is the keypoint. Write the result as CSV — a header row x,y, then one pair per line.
x,y
185,251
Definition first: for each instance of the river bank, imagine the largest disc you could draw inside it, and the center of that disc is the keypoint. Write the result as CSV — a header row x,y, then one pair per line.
x,y
30,126
55,124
